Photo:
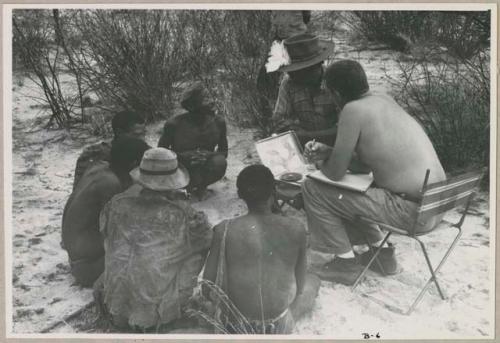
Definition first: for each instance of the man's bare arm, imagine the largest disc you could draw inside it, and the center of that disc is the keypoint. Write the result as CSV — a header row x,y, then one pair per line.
x,y
318,134
166,139
356,166
349,129
222,146
301,267
210,272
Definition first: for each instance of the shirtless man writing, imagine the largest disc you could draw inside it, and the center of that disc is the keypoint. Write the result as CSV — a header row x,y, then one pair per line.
x,y
264,261
376,132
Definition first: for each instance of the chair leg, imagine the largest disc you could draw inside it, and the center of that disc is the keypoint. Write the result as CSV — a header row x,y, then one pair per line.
x,y
433,271
363,272
373,250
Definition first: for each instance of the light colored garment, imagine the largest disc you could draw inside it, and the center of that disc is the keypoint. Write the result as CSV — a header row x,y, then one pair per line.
x,y
153,256
331,210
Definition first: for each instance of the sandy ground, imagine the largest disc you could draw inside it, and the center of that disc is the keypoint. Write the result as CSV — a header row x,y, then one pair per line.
x,y
43,292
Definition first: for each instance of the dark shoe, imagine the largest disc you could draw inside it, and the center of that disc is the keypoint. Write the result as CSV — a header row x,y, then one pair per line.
x,y
340,270
386,257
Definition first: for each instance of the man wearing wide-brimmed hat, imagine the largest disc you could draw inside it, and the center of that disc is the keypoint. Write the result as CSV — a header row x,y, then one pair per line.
x,y
199,138
155,244
304,103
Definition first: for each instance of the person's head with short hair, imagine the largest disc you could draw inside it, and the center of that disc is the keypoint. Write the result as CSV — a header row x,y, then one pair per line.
x,y
128,123
126,153
255,184
348,79
196,98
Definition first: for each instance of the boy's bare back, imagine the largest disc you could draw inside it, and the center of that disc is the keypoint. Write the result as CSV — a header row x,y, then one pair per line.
x,y
262,253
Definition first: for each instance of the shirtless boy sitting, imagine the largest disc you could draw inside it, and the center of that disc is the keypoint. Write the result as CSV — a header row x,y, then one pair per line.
x,y
389,142
80,222
263,258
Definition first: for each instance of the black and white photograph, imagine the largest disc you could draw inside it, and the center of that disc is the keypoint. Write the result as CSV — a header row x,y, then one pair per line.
x,y
280,170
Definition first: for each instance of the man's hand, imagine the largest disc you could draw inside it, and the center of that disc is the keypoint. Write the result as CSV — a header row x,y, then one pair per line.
x,y
316,151
195,157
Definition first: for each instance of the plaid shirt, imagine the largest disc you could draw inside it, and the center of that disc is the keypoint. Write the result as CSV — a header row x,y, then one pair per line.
x,y
300,107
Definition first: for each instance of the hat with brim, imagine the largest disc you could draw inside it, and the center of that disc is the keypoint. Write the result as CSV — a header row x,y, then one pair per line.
x,y
306,50
160,171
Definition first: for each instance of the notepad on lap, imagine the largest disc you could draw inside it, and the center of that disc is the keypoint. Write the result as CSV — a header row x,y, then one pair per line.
x,y
354,182
282,154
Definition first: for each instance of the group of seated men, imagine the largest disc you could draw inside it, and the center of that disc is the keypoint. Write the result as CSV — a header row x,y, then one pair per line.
x,y
128,223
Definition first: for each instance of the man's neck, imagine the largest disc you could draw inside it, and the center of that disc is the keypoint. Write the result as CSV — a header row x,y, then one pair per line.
x,y
262,208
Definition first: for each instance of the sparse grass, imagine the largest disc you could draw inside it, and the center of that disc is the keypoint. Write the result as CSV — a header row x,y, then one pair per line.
x,y
234,321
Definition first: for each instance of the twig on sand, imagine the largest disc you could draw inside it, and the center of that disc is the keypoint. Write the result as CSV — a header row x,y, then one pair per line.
x,y
68,317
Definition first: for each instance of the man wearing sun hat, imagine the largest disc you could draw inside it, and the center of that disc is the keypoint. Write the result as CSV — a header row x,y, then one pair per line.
x,y
304,102
155,244
199,138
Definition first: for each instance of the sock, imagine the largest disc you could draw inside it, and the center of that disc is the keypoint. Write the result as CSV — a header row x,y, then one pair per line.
x,y
359,249
349,254
377,244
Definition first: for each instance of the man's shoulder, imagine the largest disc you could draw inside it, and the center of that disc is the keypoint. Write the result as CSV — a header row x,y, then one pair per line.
x,y
104,178
292,225
176,119
219,120
130,193
102,147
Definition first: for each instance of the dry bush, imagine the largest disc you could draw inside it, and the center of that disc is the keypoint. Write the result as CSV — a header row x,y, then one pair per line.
x,y
462,33
452,101
132,58
227,51
35,47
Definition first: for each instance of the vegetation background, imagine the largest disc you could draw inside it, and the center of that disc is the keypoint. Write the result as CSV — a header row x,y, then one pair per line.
x,y
142,59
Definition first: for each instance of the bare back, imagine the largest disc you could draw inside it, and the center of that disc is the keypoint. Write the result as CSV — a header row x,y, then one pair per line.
x,y
80,224
394,145
262,253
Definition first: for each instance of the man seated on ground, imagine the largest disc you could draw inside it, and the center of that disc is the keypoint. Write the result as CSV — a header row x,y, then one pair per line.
x,y
156,244
259,260
199,139
80,223
304,103
124,124
377,132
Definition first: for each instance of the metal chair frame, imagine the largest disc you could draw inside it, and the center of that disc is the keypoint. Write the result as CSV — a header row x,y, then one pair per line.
x,y
413,235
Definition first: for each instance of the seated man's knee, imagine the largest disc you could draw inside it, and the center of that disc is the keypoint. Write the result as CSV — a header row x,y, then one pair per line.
x,y
216,167
217,163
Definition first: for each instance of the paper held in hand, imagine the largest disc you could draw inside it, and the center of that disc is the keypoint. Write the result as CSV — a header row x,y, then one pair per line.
x,y
282,154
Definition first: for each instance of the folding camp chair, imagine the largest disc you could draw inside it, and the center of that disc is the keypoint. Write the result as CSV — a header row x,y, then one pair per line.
x,y
437,198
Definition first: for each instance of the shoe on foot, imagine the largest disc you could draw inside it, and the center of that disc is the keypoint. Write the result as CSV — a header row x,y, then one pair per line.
x,y
340,270
387,259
